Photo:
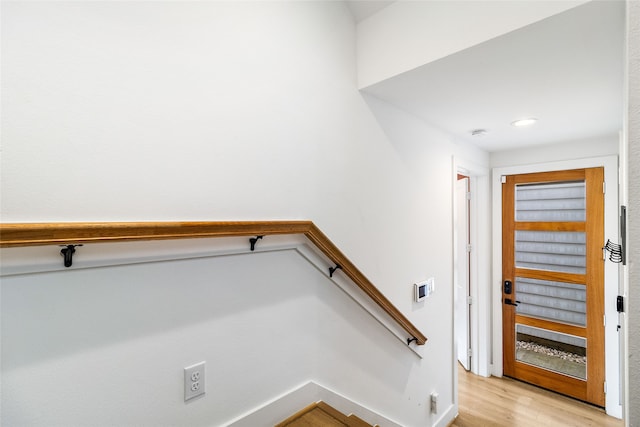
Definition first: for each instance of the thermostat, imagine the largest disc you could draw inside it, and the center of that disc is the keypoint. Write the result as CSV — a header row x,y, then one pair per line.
x,y
423,289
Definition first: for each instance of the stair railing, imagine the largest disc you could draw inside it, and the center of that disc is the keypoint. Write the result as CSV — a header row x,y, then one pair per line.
x,y
73,234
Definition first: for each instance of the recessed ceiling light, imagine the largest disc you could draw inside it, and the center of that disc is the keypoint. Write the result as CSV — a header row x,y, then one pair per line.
x,y
478,132
524,122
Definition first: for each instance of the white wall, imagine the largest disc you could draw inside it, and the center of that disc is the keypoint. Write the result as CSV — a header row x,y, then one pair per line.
x,y
606,145
222,111
633,238
106,344
408,34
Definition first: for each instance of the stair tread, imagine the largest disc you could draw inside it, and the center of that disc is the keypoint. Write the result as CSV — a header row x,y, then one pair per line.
x,y
320,414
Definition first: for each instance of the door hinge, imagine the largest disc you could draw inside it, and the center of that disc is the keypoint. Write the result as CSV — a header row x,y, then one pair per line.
x,y
469,248
469,300
468,195
469,352
604,187
605,387
604,320
503,179
620,304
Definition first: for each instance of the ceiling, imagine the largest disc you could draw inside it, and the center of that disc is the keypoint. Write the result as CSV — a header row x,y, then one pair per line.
x,y
362,9
566,71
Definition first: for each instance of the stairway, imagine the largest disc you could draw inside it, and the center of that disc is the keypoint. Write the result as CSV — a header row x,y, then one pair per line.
x,y
320,414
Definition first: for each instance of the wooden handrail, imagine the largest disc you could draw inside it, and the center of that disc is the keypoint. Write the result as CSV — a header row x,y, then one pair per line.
x,y
67,233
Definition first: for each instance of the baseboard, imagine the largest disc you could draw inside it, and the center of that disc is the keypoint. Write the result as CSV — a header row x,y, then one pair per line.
x,y
447,418
279,408
348,406
292,401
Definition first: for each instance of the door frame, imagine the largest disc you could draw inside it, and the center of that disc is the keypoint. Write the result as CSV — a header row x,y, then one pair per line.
x,y
479,265
611,231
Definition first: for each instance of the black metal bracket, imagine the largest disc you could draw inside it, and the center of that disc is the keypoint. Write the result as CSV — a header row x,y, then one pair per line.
x,y
253,242
333,270
67,252
410,340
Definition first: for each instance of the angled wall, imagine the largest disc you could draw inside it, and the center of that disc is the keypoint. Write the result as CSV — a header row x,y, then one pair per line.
x,y
106,345
408,34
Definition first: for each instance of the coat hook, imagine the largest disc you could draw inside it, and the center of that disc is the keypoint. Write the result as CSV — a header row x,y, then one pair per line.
x,y
253,241
615,251
67,252
333,270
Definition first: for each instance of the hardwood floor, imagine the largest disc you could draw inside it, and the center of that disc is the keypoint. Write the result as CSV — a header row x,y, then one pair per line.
x,y
503,402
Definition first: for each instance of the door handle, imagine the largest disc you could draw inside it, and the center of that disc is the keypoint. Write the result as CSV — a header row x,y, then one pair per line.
x,y
509,302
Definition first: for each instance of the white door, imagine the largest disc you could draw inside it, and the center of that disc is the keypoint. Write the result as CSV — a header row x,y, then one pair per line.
x,y
461,276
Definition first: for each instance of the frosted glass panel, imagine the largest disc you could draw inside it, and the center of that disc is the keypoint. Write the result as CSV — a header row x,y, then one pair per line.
x,y
562,353
563,251
556,301
564,201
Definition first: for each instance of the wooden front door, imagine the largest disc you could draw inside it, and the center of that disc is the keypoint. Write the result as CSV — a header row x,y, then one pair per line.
x,y
553,281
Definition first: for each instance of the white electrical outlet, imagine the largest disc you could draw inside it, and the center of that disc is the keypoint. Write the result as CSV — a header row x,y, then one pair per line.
x,y
434,402
194,381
